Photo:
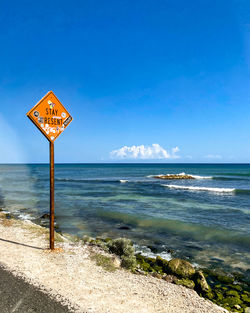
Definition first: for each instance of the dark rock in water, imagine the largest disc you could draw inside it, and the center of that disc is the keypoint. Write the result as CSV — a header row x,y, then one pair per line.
x,y
174,176
201,284
231,301
194,247
124,227
246,298
158,243
162,263
225,279
154,249
170,251
45,216
181,268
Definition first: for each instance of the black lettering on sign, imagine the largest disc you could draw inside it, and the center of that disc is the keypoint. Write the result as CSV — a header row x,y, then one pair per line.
x,y
47,111
67,121
48,120
45,120
51,111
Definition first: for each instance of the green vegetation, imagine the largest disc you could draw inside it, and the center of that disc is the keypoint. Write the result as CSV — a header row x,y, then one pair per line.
x,y
104,261
124,249
230,292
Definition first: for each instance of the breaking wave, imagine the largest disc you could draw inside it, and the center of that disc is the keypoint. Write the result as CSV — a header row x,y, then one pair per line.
x,y
94,181
193,188
210,189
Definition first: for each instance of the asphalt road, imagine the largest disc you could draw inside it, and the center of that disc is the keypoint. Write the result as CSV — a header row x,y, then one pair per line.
x,y
17,296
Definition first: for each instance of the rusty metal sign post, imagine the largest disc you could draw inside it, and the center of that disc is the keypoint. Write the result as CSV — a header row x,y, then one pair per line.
x,y
51,118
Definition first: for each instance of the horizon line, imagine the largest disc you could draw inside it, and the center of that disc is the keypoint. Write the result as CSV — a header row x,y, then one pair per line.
x,y
176,163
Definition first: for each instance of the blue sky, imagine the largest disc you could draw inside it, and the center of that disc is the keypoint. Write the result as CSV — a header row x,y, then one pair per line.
x,y
140,78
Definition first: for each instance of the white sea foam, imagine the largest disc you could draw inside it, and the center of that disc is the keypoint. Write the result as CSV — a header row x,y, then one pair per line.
x,y
193,188
146,251
123,181
24,216
182,174
201,177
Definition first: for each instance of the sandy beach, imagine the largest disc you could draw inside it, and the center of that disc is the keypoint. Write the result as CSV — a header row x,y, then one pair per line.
x,y
72,277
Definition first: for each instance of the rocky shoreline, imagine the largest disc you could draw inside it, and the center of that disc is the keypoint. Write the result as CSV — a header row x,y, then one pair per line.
x,y
229,291
87,279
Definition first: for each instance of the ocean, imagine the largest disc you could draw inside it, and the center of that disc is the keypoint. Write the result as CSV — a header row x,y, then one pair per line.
x,y
204,220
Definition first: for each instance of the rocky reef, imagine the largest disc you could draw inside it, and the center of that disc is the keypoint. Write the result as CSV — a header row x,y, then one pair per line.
x,y
174,176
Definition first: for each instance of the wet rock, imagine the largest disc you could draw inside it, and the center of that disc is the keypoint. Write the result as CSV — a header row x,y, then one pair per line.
x,y
87,239
225,279
156,275
150,264
232,293
45,216
237,307
169,278
201,284
236,287
162,263
145,266
154,249
185,282
181,268
246,298
209,295
140,272
219,295
231,301
124,227
107,239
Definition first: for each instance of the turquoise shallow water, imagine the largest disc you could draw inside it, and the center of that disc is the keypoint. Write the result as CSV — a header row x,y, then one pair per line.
x,y
205,220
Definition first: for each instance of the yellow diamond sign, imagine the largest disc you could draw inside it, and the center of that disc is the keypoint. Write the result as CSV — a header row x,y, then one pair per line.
x,y
50,116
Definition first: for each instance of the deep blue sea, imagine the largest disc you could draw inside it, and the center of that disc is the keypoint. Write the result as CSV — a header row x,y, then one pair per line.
x,y
205,220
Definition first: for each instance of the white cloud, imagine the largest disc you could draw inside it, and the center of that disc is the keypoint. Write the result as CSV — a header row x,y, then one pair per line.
x,y
213,156
155,151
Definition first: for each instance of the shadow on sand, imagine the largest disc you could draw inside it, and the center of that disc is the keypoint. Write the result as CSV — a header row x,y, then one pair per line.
x,y
22,244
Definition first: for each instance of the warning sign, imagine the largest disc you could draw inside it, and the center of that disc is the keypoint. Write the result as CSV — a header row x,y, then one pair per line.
x,y
50,116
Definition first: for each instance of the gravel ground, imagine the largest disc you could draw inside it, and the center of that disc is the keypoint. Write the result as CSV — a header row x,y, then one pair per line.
x,y
71,277
17,296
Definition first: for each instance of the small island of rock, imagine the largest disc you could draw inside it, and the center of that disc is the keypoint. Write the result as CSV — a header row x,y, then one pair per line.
x,y
174,176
